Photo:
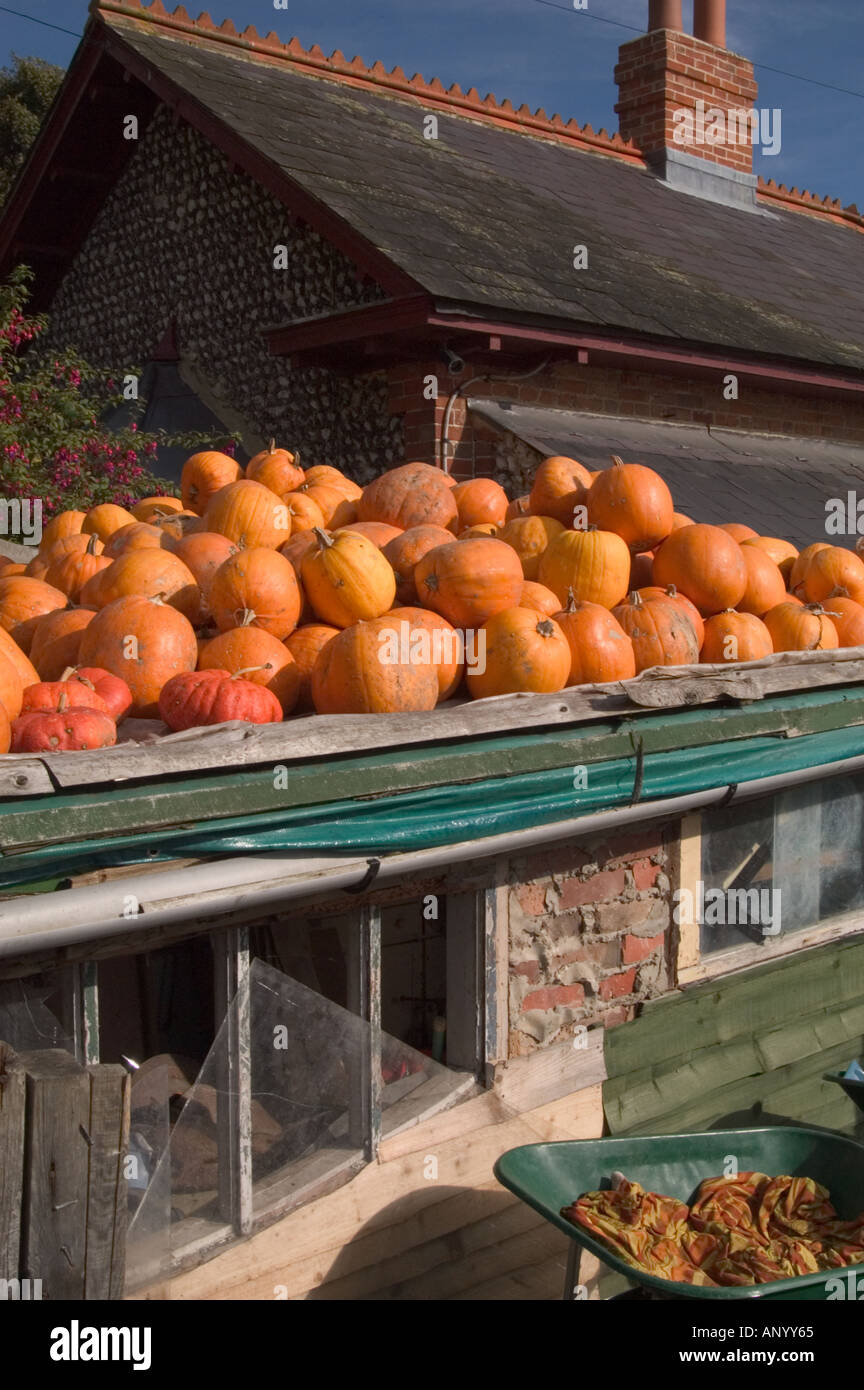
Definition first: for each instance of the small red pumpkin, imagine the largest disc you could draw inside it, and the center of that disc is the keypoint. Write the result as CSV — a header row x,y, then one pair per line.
x,y
196,698
57,731
55,695
111,690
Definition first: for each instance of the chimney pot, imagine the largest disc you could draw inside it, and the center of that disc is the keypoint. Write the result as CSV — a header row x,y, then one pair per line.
x,y
665,14
709,21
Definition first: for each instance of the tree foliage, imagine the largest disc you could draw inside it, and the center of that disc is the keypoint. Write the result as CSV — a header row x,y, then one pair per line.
x,y
27,89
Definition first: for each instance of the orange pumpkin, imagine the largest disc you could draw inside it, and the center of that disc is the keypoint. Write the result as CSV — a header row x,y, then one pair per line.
x,y
276,469
22,602
71,572
5,731
480,500
634,502
600,650
687,608
68,545
738,531
368,669
529,536
848,618
560,485
524,651
37,568
301,544
704,563
249,514
594,564
149,507
447,647
203,476
147,574
347,578
781,552
303,512
175,525
64,524
336,509
139,535
257,587
257,656
11,689
19,661
641,571
660,632
333,477
518,507
143,641
50,696
484,528
405,551
732,636
57,639
800,628
378,532
680,519
832,569
202,554
801,565
539,599
413,495
766,586
105,519
468,581
305,644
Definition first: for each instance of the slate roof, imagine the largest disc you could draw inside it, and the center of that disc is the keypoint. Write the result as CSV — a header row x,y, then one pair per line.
x,y
777,484
488,218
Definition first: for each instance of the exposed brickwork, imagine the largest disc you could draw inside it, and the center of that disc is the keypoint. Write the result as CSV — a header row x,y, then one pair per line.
x,y
588,932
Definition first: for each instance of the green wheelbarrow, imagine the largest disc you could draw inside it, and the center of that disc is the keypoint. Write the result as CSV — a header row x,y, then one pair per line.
x,y
551,1176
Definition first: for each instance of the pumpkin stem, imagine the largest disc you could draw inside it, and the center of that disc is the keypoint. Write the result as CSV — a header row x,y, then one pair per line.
x,y
324,541
70,671
246,669
635,598
839,592
244,616
671,591
91,544
62,703
618,462
571,602
271,447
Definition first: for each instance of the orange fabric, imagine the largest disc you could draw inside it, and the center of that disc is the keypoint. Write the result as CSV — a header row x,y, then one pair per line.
x,y
747,1229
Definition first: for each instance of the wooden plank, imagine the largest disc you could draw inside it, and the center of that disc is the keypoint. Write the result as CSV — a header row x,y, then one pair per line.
x,y
524,1083
475,1113
12,1110
465,997
689,872
54,1218
23,775
107,1206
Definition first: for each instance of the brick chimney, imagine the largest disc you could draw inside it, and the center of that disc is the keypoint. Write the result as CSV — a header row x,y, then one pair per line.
x,y
688,102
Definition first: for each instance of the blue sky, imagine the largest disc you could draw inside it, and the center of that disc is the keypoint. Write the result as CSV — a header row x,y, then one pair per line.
x,y
546,54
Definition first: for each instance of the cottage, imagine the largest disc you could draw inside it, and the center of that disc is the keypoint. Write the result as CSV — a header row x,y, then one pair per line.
x,y
371,955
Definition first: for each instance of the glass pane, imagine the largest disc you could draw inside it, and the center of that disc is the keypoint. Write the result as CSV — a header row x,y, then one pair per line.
x,y
38,1010
737,856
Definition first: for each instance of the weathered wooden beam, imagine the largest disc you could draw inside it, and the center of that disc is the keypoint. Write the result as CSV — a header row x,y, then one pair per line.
x,y
12,1108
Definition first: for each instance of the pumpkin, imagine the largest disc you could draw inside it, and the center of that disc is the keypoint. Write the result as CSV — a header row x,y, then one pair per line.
x,y
781,552
469,581
594,564
303,543
801,628
378,532
37,568
257,587
139,535
71,572
16,567
276,469
64,524
303,511
406,550
17,658
736,637
518,507
336,509
249,515
259,657
202,554
22,602
5,732
641,571
104,519
485,528
149,507
143,641
304,644
480,500
193,699
680,519
111,690
634,502
766,586
446,646
413,495
447,477
368,669
347,578
539,599
60,731
204,475
11,689
560,484
801,565
175,525
738,531
62,694
600,650
704,563
522,651
147,574
660,632
529,536
332,477
834,568
848,618
687,608
56,640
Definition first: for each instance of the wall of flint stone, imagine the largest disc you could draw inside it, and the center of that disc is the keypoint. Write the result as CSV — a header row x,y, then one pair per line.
x,y
182,237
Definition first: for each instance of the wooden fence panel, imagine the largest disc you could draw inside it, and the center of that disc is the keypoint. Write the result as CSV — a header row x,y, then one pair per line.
x,y
12,1100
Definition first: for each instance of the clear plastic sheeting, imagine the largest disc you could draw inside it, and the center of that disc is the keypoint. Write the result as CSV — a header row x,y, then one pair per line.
x,y
286,1107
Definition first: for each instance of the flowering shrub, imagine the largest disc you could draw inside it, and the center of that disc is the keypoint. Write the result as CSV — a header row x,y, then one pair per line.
x,y
54,444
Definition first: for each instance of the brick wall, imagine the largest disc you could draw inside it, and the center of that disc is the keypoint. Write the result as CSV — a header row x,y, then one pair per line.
x,y
589,927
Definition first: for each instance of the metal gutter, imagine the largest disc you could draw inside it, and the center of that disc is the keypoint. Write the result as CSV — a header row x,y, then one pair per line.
x,y
268,881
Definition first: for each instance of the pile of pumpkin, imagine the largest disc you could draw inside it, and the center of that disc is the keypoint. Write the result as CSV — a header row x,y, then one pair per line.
x,y
268,592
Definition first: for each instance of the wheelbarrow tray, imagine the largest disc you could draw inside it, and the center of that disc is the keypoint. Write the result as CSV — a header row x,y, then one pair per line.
x,y
551,1176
